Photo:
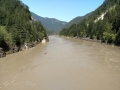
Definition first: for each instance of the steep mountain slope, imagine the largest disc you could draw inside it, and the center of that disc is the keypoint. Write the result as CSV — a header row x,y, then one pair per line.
x,y
77,20
17,26
49,23
103,24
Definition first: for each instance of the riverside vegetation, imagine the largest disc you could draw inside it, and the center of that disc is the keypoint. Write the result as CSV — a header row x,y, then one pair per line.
x,y
17,27
103,24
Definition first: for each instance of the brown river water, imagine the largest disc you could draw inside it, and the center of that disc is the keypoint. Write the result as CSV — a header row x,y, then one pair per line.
x,y
62,64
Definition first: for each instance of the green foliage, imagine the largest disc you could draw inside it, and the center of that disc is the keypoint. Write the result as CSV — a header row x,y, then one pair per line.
x,y
16,24
107,30
77,20
4,35
117,39
108,37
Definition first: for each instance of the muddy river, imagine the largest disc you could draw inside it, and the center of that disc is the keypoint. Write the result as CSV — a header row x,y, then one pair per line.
x,y
62,64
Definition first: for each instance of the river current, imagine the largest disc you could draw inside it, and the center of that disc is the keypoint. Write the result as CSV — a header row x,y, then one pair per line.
x,y
62,64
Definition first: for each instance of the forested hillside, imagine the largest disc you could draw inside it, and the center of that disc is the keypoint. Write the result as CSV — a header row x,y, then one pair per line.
x,y
77,20
51,24
17,26
103,24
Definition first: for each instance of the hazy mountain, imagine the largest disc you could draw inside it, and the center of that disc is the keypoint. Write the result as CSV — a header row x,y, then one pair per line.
x,y
49,23
76,20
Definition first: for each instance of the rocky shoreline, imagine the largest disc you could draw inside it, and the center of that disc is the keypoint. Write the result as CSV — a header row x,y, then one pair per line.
x,y
15,48
95,40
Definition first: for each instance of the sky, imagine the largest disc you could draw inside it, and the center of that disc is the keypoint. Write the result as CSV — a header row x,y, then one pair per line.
x,y
64,10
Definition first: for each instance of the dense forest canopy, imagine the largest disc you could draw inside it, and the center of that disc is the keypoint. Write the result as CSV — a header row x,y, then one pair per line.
x,y
103,24
17,26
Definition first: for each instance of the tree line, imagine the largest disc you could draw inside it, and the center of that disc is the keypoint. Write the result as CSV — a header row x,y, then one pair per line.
x,y
106,29
17,26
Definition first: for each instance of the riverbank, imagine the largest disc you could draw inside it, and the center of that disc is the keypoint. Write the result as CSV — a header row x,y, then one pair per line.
x,y
15,48
94,40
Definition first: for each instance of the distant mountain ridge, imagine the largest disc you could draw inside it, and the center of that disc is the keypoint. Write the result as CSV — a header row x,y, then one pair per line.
x,y
77,20
49,23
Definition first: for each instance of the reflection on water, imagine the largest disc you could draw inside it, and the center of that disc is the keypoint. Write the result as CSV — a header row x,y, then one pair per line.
x,y
62,64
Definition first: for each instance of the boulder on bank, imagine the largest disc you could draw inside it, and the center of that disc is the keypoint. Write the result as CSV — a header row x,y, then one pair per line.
x,y
47,39
2,53
15,49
